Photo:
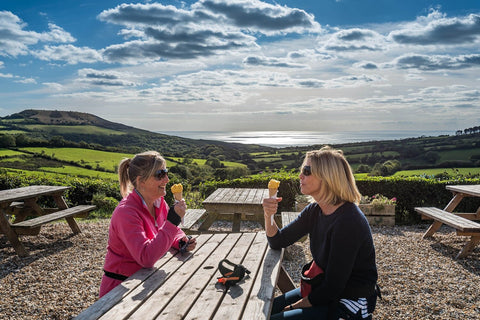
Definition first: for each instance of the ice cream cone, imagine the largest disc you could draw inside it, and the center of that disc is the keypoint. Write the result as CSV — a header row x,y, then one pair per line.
x,y
177,190
273,188
272,192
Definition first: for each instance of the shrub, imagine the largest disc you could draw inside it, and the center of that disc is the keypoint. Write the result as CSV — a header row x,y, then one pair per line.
x,y
105,205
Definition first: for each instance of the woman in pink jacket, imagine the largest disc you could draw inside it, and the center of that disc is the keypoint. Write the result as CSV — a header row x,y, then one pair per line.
x,y
143,227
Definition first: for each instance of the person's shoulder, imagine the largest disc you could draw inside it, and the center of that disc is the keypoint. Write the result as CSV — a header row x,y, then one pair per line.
x,y
352,213
310,209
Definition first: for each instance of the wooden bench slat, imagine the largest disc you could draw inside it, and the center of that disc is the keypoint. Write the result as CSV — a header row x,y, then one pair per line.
x,y
65,213
192,216
450,219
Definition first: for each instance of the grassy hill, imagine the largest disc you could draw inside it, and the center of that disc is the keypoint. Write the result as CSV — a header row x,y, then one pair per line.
x,y
77,129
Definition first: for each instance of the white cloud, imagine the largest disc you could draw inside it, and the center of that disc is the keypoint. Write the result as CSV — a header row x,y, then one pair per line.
x,y
206,28
68,53
436,62
16,41
437,29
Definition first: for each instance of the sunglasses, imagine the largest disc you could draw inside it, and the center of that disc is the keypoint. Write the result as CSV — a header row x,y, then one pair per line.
x,y
306,170
160,174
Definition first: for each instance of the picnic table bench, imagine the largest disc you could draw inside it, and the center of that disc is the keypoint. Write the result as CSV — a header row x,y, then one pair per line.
x,y
22,202
461,222
186,287
192,216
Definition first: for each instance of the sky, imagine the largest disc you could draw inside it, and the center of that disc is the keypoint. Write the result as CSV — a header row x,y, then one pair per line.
x,y
246,65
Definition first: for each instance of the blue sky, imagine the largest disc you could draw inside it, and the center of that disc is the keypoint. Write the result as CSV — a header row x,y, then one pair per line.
x,y
238,65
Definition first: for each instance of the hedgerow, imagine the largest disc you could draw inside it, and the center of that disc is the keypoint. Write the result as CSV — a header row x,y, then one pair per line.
x,y
410,192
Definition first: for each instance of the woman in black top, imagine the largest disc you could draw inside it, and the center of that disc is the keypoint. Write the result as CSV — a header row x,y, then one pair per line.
x,y
341,243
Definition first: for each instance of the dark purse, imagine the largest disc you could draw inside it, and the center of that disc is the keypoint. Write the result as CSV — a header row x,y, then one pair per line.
x,y
312,275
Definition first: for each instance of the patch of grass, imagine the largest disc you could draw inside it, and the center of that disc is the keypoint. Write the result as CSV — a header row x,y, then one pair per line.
x,y
93,158
435,171
82,172
8,153
64,129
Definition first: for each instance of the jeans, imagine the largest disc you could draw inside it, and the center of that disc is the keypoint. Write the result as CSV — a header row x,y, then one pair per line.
x,y
314,312
280,302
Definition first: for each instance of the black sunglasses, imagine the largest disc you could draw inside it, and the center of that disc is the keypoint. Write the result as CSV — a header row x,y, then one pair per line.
x,y
306,170
160,174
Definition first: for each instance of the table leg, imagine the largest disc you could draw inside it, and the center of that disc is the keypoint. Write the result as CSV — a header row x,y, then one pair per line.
x,y
436,225
11,235
474,240
454,202
207,223
32,206
236,222
62,204
433,228
285,282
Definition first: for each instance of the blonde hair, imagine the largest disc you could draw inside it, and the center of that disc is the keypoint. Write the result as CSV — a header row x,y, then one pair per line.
x,y
338,182
142,165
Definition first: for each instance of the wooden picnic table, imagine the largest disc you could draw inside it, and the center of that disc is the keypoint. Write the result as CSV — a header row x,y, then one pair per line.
x,y
462,222
22,203
242,203
184,286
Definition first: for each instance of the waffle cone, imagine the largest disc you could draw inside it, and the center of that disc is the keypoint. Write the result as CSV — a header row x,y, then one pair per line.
x,y
272,192
178,196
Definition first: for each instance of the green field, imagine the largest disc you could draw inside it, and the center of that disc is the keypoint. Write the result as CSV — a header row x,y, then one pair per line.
x,y
432,172
9,153
11,131
94,158
201,162
458,154
60,129
82,172
69,171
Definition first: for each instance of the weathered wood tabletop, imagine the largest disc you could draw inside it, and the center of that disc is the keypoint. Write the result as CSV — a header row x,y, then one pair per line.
x,y
243,203
185,286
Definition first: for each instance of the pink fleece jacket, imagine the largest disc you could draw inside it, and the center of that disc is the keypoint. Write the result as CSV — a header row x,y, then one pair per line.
x,y
135,239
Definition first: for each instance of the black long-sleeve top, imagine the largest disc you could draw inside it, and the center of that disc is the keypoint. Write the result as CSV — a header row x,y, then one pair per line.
x,y
341,244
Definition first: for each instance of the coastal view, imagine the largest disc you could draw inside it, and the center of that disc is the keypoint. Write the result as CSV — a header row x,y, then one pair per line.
x,y
302,138
245,159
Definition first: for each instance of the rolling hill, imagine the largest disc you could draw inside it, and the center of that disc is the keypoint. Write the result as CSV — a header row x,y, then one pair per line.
x,y
77,129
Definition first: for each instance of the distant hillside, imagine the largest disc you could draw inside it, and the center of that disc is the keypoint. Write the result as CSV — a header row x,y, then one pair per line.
x,y
65,118
47,128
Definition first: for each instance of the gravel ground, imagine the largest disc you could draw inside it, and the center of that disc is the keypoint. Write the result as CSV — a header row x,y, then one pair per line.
x,y
420,279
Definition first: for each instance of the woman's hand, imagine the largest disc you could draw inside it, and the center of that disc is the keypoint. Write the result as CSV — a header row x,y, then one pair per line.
x,y
192,243
180,208
270,206
300,304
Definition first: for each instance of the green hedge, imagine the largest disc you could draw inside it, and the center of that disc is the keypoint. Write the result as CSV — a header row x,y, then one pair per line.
x,y
410,192
82,190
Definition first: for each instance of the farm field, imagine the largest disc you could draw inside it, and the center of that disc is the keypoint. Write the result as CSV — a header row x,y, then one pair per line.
x,y
432,172
62,129
202,162
93,158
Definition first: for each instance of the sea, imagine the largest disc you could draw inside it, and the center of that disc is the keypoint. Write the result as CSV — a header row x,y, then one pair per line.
x,y
281,139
